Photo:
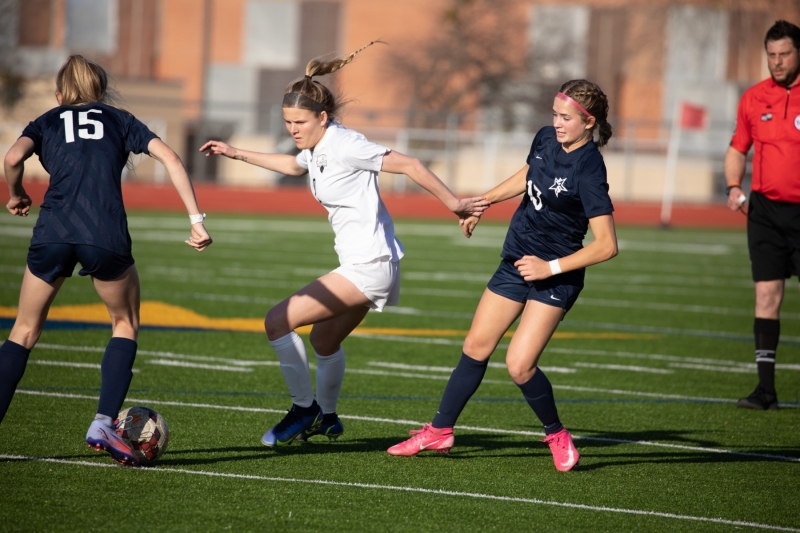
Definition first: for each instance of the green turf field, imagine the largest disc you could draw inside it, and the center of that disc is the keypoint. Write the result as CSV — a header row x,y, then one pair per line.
x,y
646,370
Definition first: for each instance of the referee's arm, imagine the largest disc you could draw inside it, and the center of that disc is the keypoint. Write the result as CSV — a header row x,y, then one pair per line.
x,y
734,172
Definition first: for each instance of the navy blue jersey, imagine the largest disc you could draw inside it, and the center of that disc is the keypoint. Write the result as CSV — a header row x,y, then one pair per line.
x,y
564,190
85,148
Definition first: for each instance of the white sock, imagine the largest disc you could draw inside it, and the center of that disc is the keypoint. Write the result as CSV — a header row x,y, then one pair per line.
x,y
330,373
294,366
105,420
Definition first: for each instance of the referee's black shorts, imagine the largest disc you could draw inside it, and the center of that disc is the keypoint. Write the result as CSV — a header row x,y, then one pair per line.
x,y
773,238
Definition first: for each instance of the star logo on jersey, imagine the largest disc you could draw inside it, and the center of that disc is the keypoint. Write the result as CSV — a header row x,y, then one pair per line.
x,y
321,162
558,186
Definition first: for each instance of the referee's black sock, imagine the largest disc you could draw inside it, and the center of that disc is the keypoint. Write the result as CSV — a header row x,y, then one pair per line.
x,y
116,372
13,359
539,393
464,381
767,331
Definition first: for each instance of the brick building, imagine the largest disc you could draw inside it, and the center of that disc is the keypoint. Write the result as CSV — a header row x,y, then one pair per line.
x,y
218,68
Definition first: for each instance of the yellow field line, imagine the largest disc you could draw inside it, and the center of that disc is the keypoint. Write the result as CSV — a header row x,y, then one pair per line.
x,y
160,314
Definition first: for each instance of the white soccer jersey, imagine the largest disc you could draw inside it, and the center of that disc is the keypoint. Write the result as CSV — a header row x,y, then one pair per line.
x,y
343,176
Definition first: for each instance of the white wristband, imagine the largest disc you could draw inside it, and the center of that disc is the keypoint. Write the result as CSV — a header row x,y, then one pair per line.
x,y
555,268
195,219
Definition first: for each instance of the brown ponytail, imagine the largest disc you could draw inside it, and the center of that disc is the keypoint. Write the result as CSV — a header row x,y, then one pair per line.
x,y
312,95
591,97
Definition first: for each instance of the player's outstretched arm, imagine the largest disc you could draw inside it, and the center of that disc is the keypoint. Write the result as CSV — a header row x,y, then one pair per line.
x,y
734,166
602,248
283,163
397,163
513,186
200,239
19,202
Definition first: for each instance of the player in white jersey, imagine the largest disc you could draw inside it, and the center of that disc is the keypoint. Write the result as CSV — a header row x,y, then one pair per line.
x,y
343,168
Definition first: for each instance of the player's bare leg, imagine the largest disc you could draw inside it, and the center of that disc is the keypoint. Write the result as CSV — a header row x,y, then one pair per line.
x,y
537,325
493,317
35,299
122,298
335,306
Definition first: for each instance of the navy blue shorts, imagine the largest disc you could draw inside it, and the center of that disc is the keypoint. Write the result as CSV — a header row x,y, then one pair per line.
x,y
508,283
49,262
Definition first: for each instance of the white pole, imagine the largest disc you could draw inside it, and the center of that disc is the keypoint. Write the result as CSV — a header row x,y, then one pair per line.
x,y
401,145
672,162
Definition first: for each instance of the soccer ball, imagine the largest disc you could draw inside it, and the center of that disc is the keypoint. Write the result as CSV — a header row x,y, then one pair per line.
x,y
145,430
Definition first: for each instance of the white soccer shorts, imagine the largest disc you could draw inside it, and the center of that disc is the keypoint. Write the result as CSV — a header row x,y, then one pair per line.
x,y
379,280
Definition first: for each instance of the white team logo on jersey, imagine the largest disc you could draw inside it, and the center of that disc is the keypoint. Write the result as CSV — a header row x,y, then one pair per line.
x,y
558,186
797,122
321,162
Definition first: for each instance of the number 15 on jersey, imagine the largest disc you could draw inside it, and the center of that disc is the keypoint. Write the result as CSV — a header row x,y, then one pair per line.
x,y
93,129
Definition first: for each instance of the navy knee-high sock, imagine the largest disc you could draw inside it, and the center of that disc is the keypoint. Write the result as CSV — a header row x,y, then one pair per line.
x,y
463,383
13,358
116,371
539,393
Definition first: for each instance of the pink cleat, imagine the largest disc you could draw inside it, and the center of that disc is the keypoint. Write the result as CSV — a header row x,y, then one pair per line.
x,y
565,455
427,438
103,438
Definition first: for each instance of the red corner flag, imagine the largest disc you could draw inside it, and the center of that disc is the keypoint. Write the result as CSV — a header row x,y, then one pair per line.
x,y
692,116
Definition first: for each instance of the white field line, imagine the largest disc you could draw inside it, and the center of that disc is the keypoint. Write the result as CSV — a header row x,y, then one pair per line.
x,y
93,366
418,490
412,423
437,377
201,366
629,368
170,355
448,369
732,369
680,308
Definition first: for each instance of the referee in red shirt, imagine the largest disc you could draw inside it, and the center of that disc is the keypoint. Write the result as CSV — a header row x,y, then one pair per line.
x,y
769,118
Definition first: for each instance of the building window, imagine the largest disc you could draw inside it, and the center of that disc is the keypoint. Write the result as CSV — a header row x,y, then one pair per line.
x,y
92,25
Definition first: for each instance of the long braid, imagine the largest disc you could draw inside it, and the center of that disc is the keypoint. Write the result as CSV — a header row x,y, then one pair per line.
x,y
593,99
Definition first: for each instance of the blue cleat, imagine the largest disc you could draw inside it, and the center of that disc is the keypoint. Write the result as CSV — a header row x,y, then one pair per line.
x,y
331,427
296,421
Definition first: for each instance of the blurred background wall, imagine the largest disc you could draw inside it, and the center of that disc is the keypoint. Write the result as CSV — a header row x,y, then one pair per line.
x,y
461,84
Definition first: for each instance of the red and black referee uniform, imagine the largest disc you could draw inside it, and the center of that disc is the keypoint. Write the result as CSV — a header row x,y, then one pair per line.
x,y
769,119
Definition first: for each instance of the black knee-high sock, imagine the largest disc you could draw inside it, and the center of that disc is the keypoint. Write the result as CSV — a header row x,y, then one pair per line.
x,y
463,383
539,393
767,332
116,371
13,358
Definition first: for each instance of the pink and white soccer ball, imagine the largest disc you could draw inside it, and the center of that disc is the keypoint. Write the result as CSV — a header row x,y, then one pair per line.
x,y
145,430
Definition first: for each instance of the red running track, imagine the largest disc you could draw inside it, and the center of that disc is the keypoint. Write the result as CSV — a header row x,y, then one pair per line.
x,y
299,201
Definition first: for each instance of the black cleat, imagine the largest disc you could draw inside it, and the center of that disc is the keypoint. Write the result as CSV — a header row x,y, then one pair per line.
x,y
760,400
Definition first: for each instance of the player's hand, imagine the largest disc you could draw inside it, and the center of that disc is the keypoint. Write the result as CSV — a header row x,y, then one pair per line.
x,y
531,268
200,239
468,225
737,200
19,205
218,148
467,207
